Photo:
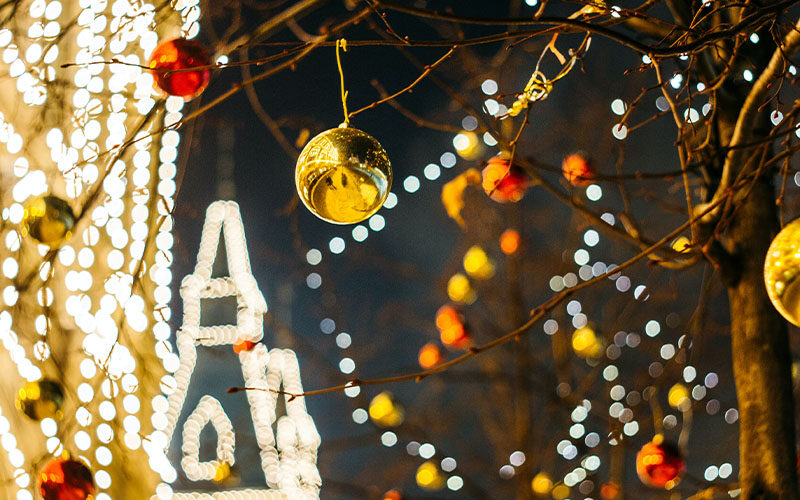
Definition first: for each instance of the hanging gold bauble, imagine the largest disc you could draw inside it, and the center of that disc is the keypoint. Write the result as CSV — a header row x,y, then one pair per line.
x,y
782,270
48,220
41,399
343,175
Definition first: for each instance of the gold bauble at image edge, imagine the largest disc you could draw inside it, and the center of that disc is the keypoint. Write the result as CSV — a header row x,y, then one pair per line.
x,y
782,272
49,220
41,399
343,175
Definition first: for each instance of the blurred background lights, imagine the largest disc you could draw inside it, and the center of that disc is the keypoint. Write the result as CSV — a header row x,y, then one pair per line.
x,y
429,477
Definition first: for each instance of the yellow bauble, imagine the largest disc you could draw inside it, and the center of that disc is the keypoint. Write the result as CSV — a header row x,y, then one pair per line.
x,y
385,411
48,220
343,175
541,484
781,270
223,473
460,290
678,397
429,478
42,399
477,263
586,344
468,145
560,492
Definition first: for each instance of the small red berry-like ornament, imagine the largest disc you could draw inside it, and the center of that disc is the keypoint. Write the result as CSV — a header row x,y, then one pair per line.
x,y
392,495
66,479
180,54
578,170
453,331
660,464
504,182
244,345
430,355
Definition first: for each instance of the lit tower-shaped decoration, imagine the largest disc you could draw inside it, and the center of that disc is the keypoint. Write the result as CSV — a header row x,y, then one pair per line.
x,y
85,285
288,445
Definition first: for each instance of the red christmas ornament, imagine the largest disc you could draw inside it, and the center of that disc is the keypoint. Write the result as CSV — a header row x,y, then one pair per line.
x,y
180,54
392,495
504,182
577,170
66,479
609,491
244,345
659,464
452,330
430,355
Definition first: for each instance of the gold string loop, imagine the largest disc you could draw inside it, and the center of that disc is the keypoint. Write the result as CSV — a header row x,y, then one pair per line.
x,y
342,43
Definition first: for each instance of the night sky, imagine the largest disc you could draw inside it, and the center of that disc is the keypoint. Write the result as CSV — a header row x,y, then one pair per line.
x,y
385,291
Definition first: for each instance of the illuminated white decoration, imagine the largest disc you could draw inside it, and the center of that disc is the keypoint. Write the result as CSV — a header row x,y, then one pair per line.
x,y
288,447
208,410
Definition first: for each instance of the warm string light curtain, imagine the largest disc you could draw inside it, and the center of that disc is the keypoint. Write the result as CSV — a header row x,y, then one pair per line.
x,y
90,311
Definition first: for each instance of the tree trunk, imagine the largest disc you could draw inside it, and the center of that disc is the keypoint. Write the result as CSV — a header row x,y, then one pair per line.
x,y
761,358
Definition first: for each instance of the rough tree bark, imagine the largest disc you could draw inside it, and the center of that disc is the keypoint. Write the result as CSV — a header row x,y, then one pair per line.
x,y
761,358
759,336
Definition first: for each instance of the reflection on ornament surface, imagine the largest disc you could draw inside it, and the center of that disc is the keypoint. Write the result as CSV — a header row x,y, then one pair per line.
x,y
659,464
48,220
66,479
343,175
180,54
41,399
781,270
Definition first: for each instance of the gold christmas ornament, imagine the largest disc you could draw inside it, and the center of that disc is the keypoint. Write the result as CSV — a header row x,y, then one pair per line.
x,y
48,220
343,175
41,399
781,272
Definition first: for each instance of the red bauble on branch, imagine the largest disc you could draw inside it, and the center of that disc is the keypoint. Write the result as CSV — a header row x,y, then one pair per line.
x,y
578,170
242,346
660,464
66,479
452,329
504,182
180,54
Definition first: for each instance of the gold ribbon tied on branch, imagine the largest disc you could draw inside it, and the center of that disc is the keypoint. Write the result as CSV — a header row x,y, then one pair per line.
x,y
539,86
